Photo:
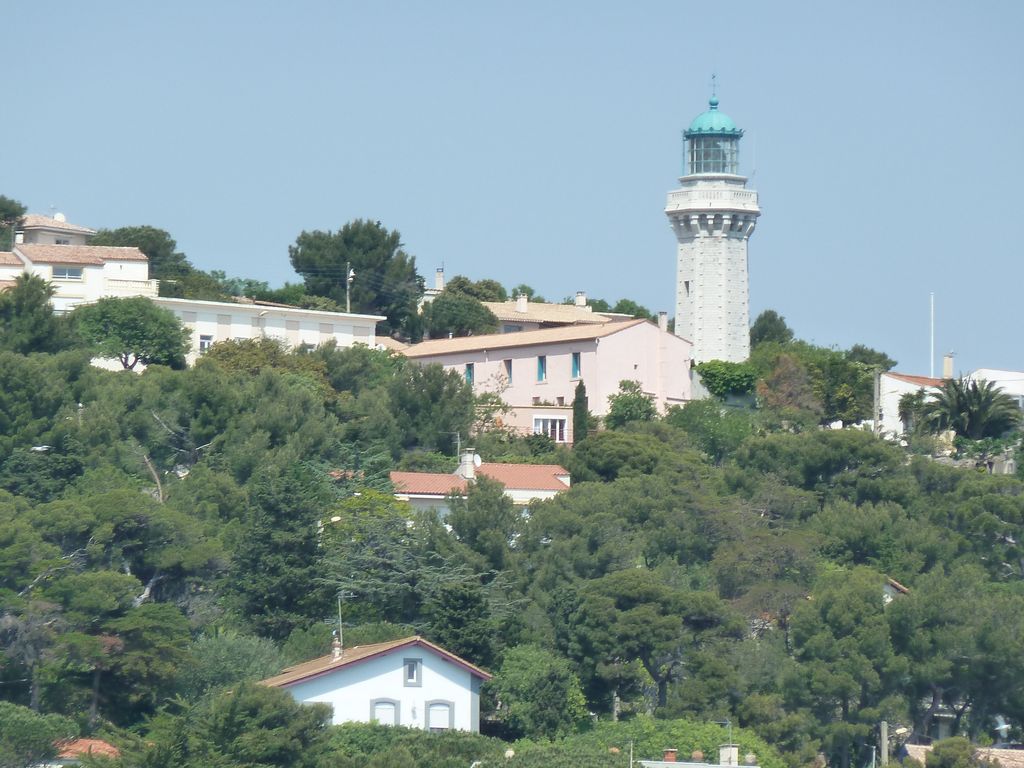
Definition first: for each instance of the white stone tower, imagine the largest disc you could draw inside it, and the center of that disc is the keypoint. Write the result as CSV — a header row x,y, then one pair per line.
x,y
713,214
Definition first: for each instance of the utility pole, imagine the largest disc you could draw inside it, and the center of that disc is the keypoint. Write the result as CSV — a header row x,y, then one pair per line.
x,y
876,414
350,275
883,742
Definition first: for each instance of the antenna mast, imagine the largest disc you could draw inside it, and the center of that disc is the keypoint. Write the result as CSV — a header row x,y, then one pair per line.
x,y
931,347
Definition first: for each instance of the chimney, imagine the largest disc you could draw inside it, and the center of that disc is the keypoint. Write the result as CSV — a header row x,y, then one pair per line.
x,y
947,365
581,298
335,649
521,301
669,756
663,320
439,279
467,465
729,754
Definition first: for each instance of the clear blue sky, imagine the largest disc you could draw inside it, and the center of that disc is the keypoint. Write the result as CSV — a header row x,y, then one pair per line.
x,y
535,142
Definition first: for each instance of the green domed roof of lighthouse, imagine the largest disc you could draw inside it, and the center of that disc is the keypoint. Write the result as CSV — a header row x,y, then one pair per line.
x,y
712,122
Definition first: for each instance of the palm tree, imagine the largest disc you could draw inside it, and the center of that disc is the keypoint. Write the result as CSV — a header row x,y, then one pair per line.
x,y
972,409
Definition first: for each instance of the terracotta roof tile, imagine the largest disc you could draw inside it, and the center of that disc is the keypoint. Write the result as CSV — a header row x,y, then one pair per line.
x,y
524,477
8,259
430,483
528,477
521,339
37,221
921,381
77,254
81,747
328,663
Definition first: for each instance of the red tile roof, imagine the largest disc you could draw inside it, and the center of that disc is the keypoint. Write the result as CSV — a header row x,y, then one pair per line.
x,y
921,381
431,483
8,259
77,254
527,477
356,654
81,747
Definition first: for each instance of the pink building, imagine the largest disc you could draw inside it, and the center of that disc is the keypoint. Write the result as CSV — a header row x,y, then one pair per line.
x,y
536,372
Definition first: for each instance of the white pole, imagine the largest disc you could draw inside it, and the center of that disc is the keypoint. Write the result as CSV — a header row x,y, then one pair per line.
x,y
931,347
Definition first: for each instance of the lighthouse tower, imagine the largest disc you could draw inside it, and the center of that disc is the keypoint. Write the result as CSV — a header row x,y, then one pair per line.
x,y
713,214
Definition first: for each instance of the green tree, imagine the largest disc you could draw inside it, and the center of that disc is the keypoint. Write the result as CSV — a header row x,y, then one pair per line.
x,y
848,671
458,314
386,281
27,322
722,378
526,290
482,290
770,326
133,330
430,406
630,403
165,262
276,574
717,430
788,391
11,212
630,307
580,414
631,615
956,752
540,696
609,455
460,620
29,739
872,358
486,521
972,409
223,658
249,726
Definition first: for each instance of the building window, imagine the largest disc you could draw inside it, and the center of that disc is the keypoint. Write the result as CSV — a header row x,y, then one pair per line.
x,y
575,365
62,241
542,367
553,428
511,328
67,273
412,672
384,711
508,371
205,342
469,373
440,715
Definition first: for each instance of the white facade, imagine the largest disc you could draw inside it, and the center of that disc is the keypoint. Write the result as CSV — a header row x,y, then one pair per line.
x,y
892,387
81,274
211,321
410,685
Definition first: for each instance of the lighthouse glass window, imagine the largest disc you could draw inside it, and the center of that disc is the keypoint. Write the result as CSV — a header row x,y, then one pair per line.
x,y
713,154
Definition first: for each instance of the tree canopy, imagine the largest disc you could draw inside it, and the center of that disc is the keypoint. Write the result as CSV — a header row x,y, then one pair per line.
x,y
132,330
385,282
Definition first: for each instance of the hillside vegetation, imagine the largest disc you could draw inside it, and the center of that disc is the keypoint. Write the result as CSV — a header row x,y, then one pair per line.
x,y
161,544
